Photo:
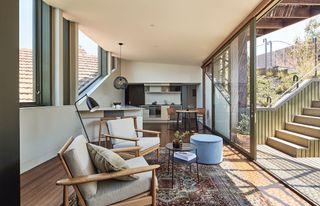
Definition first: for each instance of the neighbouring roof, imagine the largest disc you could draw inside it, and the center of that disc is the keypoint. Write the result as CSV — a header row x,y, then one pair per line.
x,y
88,69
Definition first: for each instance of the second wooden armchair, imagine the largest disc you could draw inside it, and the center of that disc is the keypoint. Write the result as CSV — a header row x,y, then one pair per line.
x,y
123,133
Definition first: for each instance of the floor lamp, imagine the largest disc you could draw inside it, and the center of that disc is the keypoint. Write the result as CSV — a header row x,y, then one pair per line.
x,y
92,105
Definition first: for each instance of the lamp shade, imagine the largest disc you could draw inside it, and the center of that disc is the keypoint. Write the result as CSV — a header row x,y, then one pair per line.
x,y
92,104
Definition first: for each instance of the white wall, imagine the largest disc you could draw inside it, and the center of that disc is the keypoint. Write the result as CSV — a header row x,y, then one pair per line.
x,y
105,93
43,131
162,97
147,72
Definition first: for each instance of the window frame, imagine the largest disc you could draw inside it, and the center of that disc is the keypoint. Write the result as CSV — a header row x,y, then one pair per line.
x,y
41,55
102,67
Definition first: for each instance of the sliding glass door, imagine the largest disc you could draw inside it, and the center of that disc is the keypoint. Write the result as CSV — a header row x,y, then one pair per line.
x,y
234,90
221,91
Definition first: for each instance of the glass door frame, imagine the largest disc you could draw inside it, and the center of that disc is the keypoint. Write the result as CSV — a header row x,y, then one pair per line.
x,y
252,155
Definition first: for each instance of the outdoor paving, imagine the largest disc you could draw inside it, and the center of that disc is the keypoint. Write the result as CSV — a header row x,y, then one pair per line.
x,y
301,173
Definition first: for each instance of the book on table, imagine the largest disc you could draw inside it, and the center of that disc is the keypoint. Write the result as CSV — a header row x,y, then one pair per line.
x,y
186,156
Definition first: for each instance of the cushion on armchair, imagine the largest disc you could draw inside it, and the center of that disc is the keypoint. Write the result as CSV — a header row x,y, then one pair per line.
x,y
112,191
144,142
80,164
106,160
121,128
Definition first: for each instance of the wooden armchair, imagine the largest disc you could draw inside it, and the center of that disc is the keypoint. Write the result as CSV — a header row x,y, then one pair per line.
x,y
123,133
101,189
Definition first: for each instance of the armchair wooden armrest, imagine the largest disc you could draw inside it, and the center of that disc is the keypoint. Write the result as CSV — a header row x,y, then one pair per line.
x,y
148,131
127,149
134,139
105,176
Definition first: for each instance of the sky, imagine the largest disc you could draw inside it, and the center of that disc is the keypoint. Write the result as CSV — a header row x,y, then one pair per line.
x,y
287,34
26,29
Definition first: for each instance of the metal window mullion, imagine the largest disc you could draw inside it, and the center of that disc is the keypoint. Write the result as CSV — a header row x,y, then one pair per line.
x,y
38,50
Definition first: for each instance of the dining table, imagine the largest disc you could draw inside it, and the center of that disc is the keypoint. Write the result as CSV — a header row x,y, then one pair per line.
x,y
186,115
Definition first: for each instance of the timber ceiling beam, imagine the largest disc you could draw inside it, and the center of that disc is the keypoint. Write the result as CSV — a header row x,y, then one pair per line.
x,y
261,32
300,2
287,12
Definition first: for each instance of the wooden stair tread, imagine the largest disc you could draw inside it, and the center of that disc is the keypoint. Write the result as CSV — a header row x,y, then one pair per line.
x,y
315,104
303,136
308,116
289,144
304,125
307,119
311,111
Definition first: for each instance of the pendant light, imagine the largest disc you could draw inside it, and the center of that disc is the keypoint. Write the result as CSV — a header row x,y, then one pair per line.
x,y
120,82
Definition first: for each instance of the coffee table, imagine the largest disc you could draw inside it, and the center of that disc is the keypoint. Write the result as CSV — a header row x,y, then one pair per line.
x,y
186,147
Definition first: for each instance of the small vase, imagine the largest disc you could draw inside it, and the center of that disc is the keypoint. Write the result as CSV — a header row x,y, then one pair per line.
x,y
175,145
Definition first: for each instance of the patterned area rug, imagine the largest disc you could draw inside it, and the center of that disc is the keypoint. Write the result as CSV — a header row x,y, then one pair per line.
x,y
214,187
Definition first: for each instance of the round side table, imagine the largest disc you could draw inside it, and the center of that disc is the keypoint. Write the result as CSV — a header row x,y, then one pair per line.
x,y
186,147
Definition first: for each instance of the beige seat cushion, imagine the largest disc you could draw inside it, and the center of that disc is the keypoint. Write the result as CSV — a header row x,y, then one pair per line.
x,y
79,163
121,128
112,191
144,142
105,160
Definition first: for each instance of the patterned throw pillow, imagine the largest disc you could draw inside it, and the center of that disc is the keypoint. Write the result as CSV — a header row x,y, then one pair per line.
x,y
107,161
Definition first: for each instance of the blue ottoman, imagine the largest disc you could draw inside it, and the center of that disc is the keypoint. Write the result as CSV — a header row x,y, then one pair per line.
x,y
209,148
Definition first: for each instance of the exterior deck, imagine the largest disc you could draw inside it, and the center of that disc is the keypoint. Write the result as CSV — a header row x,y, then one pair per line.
x,y
303,174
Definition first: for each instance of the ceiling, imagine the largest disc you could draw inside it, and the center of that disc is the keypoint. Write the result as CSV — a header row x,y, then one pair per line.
x,y
165,31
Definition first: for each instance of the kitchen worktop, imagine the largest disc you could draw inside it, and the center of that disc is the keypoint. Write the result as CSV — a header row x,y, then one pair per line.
x,y
123,108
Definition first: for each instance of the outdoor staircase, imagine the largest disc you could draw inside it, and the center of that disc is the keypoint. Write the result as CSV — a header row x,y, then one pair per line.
x,y
300,138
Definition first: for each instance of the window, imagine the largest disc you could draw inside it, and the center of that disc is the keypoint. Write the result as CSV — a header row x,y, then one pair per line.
x,y
88,61
27,51
114,62
34,53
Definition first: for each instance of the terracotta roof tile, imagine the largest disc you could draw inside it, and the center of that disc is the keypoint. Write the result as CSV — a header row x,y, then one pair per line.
x,y
88,69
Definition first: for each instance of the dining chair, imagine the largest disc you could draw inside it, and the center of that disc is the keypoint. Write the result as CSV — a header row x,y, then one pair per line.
x,y
201,115
172,116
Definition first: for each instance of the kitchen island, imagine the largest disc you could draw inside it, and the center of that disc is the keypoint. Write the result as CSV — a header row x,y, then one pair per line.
x,y
91,120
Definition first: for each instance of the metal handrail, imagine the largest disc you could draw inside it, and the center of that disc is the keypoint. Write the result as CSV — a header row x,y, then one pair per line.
x,y
296,84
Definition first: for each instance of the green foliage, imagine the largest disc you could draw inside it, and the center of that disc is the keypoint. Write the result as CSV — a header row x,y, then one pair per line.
x,y
244,124
303,49
179,136
272,86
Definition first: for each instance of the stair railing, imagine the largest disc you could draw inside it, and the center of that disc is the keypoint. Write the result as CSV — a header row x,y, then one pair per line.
x,y
225,93
307,75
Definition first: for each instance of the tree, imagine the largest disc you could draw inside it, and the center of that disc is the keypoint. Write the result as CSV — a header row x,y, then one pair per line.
x,y
303,49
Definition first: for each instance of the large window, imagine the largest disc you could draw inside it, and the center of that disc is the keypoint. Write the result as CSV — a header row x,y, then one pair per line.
x,y
88,61
34,53
27,51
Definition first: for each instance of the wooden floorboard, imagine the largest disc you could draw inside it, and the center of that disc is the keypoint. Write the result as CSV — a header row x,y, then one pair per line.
x,y
38,186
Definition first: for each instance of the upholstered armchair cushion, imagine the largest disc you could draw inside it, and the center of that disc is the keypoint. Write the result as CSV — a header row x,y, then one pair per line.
x,y
121,128
144,142
107,161
112,191
80,164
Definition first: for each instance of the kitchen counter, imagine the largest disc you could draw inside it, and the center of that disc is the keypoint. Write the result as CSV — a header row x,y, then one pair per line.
x,y
123,108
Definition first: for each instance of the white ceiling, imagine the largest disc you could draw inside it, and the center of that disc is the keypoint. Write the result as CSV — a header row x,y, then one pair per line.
x,y
167,31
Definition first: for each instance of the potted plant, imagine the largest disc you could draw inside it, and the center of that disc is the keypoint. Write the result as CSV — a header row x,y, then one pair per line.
x,y
243,129
177,142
